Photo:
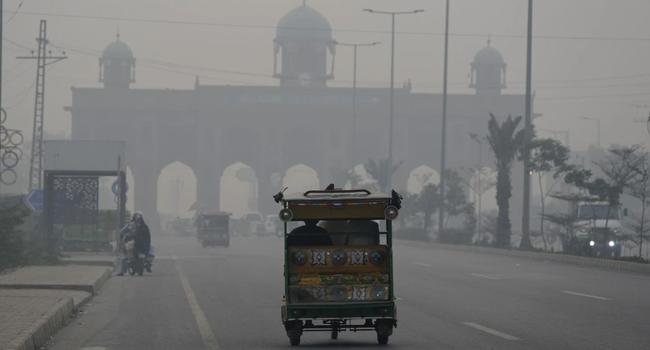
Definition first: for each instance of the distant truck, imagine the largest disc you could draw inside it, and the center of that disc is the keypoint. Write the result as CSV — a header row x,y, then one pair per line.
x,y
597,228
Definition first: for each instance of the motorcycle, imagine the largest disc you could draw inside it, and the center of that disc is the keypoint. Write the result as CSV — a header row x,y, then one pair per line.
x,y
136,262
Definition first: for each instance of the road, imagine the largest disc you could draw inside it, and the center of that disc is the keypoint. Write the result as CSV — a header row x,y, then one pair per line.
x,y
228,298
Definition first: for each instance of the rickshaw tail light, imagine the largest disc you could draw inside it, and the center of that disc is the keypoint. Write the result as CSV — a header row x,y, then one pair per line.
x,y
286,215
391,212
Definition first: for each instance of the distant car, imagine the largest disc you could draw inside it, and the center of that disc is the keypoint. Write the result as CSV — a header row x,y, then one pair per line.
x,y
272,224
182,227
254,223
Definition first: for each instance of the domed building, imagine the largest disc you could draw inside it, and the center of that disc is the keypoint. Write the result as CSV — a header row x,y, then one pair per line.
x,y
304,43
117,65
488,74
300,121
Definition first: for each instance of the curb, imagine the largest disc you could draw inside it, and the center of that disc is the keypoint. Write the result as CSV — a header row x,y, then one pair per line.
x,y
41,332
92,287
609,264
89,263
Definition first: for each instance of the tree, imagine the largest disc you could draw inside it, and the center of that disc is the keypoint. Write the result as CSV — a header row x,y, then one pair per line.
x,y
428,203
382,171
455,195
546,155
505,142
636,176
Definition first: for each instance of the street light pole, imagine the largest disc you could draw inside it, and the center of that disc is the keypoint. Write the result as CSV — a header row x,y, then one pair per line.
x,y
479,188
528,128
355,47
393,14
597,128
443,148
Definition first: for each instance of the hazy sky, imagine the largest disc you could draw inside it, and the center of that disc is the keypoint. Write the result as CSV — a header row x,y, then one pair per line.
x,y
573,76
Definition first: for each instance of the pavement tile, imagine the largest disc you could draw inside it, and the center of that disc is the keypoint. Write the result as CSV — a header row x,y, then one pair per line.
x,y
22,310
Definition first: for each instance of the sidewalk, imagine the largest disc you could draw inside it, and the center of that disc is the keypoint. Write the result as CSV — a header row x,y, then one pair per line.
x,y
37,301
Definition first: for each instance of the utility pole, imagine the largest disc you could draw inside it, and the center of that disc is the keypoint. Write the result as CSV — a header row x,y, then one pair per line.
x,y
1,53
443,138
479,187
355,47
528,128
43,58
597,128
393,14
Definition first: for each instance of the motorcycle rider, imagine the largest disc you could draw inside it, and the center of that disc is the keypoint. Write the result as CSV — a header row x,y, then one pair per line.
x,y
138,231
142,236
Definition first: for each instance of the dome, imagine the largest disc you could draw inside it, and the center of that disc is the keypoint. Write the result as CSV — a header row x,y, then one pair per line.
x,y
489,56
304,23
118,50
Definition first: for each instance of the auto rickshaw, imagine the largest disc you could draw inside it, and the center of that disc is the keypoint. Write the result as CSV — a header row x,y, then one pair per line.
x,y
213,228
339,274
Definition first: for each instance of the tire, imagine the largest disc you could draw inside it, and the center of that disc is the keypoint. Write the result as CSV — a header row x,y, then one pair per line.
x,y
139,267
131,268
294,331
384,330
294,340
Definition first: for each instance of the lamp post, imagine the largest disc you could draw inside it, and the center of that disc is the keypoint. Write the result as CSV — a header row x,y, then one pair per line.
x,y
528,133
443,138
393,14
597,128
355,47
479,188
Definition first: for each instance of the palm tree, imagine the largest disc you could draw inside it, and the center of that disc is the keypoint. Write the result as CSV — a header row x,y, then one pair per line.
x,y
505,141
382,171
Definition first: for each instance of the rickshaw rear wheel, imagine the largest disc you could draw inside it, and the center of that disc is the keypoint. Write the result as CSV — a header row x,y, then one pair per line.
x,y
384,330
294,331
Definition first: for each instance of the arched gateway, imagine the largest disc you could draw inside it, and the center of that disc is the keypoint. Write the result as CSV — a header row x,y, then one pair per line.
x,y
272,128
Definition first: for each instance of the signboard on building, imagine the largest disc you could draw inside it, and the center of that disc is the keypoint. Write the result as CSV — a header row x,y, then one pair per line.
x,y
76,155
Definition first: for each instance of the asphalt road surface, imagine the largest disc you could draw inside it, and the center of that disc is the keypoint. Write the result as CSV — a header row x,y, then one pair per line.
x,y
229,298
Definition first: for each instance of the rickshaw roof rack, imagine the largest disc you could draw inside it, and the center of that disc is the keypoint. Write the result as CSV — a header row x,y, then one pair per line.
x,y
213,212
326,195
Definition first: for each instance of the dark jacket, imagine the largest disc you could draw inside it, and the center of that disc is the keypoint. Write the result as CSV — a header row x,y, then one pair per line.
x,y
142,238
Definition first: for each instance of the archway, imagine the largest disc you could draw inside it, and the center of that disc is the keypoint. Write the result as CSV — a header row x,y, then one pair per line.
x,y
300,178
420,177
239,185
176,191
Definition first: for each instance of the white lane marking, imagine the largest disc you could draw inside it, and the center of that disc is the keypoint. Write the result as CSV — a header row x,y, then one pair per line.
x,y
209,339
422,264
480,275
584,295
491,331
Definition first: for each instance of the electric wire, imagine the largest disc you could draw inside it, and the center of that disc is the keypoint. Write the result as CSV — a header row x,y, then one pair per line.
x,y
342,30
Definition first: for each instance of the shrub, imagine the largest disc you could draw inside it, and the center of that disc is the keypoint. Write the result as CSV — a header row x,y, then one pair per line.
x,y
12,217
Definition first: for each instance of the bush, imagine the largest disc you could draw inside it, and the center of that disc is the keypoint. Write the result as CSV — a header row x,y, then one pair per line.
x,y
12,217
456,236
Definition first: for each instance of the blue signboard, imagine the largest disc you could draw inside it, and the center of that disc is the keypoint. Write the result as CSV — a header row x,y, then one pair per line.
x,y
34,200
